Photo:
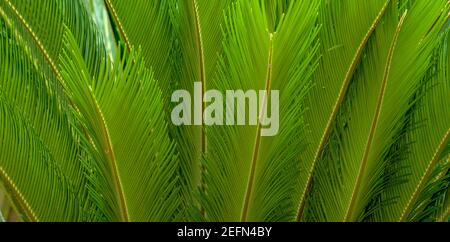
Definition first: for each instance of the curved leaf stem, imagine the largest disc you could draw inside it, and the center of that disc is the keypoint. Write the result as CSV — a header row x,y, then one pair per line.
x,y
201,56
119,24
18,198
251,179
35,38
420,186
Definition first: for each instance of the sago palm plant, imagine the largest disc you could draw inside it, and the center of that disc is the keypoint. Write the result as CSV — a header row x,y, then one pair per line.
x,y
86,98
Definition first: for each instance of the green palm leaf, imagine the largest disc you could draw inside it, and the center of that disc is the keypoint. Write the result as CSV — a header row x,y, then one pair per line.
x,y
361,157
184,50
86,105
37,141
430,152
247,176
134,156
432,203
342,53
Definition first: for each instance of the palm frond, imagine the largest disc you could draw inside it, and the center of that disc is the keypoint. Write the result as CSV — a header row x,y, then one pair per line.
x,y
354,126
184,50
249,177
360,157
134,155
430,149
360,90
199,45
342,52
40,157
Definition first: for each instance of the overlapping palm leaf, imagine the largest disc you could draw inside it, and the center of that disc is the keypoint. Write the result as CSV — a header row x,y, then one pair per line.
x,y
85,131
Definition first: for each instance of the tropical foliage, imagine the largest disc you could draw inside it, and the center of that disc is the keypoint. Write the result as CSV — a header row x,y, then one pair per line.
x,y
85,104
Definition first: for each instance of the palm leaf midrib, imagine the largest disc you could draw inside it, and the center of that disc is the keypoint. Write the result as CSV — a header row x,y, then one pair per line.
x,y
110,154
34,36
255,156
201,61
18,197
119,24
431,165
